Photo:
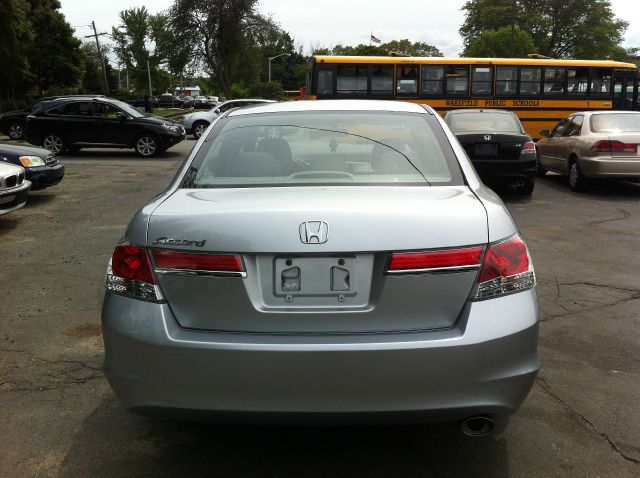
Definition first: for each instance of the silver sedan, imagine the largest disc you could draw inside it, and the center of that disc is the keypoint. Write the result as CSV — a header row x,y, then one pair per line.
x,y
592,145
331,260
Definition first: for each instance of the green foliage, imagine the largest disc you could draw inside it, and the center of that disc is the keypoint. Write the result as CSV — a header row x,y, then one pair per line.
x,y
239,91
269,90
499,44
54,55
585,29
400,47
15,36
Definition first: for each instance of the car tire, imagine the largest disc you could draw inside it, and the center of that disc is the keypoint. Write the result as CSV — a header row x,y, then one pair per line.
x,y
199,127
15,130
540,171
146,145
527,189
577,181
54,142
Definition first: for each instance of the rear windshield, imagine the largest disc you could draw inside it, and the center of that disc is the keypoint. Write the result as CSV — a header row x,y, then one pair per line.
x,y
470,122
615,122
324,148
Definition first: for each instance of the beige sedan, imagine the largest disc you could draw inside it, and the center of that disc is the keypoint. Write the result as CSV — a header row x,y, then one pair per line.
x,y
589,145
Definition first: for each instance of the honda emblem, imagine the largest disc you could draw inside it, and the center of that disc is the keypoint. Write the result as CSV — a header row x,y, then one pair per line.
x,y
314,232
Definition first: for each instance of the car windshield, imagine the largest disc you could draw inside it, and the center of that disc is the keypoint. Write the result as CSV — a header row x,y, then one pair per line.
x,y
482,121
319,148
615,122
127,108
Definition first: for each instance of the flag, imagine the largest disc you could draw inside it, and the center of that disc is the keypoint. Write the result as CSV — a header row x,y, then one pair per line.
x,y
375,39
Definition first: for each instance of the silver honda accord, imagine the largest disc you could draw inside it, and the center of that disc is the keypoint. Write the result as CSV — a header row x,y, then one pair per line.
x,y
330,260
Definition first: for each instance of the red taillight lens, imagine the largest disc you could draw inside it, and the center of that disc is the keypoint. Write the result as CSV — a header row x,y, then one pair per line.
x,y
606,146
203,262
528,148
504,259
435,259
131,262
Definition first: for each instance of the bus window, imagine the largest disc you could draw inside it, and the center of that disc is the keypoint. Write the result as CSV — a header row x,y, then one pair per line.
x,y
578,80
406,80
481,80
352,79
530,78
382,80
325,82
601,82
432,80
506,80
457,80
554,81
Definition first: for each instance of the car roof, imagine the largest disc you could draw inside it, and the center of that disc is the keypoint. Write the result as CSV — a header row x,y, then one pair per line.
x,y
334,105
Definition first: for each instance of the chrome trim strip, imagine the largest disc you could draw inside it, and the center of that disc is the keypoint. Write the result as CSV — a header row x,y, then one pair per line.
x,y
206,273
435,270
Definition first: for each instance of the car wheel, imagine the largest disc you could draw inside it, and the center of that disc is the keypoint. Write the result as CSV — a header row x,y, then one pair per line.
x,y
199,128
540,171
527,189
15,130
577,181
147,145
54,143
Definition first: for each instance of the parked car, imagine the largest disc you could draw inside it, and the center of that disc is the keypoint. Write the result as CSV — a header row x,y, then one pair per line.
x,y
196,103
12,122
140,101
592,145
13,188
71,124
41,166
324,259
498,146
168,101
197,123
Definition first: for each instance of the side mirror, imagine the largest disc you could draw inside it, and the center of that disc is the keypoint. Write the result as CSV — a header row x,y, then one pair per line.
x,y
121,116
546,133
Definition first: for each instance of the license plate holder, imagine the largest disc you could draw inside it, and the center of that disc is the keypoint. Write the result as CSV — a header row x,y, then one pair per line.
x,y
315,276
486,149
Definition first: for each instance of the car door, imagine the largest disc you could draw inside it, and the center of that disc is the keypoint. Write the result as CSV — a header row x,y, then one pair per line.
x,y
549,149
570,140
110,129
73,120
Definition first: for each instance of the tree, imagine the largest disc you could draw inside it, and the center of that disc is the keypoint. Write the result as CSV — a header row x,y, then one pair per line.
x,y
54,55
92,76
15,36
585,29
138,33
500,44
401,47
225,34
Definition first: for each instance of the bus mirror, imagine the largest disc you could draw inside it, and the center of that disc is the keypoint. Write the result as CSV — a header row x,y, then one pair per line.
x,y
545,133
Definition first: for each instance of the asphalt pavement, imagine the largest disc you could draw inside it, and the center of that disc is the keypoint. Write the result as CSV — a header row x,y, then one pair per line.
x,y
58,416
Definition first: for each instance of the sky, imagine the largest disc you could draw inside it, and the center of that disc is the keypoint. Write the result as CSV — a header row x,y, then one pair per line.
x,y
330,22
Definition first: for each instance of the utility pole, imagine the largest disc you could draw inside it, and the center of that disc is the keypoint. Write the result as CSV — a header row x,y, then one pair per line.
x,y
150,104
104,68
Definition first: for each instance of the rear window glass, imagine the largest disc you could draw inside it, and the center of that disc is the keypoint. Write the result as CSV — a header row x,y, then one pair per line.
x,y
325,148
615,123
469,122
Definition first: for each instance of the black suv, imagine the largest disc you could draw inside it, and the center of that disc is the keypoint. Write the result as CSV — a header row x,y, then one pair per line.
x,y
71,124
12,122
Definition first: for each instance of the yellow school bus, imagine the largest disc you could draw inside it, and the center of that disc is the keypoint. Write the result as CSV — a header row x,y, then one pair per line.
x,y
539,91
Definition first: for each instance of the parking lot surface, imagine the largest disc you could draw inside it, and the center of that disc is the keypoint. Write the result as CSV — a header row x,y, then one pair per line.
x,y
58,416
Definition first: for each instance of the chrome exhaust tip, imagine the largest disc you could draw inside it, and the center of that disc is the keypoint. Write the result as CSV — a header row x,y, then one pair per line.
x,y
477,426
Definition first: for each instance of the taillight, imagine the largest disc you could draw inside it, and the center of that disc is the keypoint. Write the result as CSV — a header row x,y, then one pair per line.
x,y
611,147
528,148
224,264
506,268
130,273
448,259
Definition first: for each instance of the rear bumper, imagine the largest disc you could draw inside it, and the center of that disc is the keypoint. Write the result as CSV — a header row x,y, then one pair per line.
x,y
608,167
45,176
484,365
505,171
